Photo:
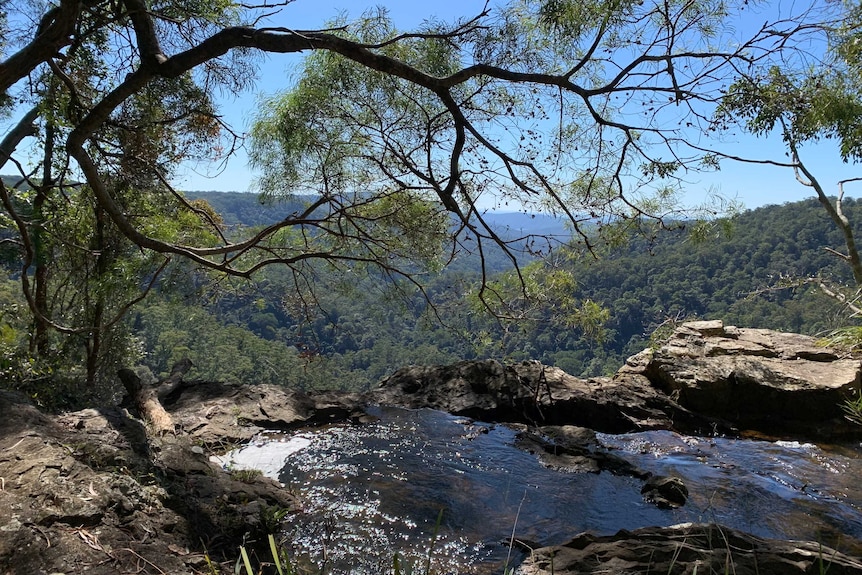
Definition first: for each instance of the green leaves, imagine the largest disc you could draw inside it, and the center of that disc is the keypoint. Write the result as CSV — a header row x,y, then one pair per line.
x,y
223,12
806,104
571,18
344,127
363,142
545,296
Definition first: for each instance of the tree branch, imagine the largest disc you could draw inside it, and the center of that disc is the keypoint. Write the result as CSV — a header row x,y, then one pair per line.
x,y
54,32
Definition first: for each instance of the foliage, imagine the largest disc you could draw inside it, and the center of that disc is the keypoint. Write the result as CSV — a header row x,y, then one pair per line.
x,y
389,144
542,296
806,103
807,100
804,107
848,338
16,365
352,338
246,475
853,410
79,274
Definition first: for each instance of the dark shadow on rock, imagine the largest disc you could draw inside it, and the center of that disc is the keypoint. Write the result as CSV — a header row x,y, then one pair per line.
x,y
687,548
538,395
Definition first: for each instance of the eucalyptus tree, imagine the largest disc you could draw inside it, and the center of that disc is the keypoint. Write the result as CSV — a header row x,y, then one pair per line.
x,y
79,275
805,101
814,100
593,110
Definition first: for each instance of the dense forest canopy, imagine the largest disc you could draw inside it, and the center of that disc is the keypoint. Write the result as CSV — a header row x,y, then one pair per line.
x,y
749,276
594,111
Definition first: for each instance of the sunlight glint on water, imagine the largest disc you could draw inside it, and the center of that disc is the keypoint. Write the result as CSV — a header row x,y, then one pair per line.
x,y
371,490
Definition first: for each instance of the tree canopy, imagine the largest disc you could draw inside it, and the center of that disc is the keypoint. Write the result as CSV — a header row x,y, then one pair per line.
x,y
804,102
588,109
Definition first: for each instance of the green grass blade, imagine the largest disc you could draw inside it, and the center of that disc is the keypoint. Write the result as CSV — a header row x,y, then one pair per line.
x,y
246,561
433,541
274,550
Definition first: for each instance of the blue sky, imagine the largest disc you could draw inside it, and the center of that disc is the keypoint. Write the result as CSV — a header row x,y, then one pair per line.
x,y
752,185
277,70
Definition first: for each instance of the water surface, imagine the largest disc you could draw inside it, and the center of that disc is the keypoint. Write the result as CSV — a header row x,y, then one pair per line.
x,y
372,490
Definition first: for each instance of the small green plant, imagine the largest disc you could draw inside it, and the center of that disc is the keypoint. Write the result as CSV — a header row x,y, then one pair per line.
x,y
246,475
271,517
847,338
433,542
853,409
245,560
277,555
507,569
823,563
212,566
280,560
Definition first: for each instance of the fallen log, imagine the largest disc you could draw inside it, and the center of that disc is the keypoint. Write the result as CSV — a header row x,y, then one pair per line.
x,y
146,402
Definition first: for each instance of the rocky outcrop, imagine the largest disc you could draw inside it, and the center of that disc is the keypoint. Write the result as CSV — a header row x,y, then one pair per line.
x,y
755,379
706,379
220,414
573,450
687,549
532,393
92,491
665,492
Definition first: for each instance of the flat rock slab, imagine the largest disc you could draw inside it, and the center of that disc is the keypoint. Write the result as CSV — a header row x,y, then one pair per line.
x,y
689,548
770,382
532,393
220,415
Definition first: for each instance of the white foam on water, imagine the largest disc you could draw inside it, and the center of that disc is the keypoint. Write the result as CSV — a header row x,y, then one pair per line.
x,y
267,454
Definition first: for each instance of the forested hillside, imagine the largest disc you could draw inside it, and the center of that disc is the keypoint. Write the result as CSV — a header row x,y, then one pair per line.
x,y
379,151
358,329
246,210
748,278
396,140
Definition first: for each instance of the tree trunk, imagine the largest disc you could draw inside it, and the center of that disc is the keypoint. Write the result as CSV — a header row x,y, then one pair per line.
x,y
147,403
93,345
41,251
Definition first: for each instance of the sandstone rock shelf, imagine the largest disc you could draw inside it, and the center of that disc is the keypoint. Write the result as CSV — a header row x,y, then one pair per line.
x,y
706,379
92,491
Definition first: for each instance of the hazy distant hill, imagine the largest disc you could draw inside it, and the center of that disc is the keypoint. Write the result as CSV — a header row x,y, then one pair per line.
x,y
521,223
15,182
247,209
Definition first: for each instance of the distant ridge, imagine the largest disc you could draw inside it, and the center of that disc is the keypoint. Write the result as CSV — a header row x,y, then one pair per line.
x,y
242,208
246,209
15,182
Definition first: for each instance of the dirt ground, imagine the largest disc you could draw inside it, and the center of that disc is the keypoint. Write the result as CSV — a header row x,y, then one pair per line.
x,y
88,492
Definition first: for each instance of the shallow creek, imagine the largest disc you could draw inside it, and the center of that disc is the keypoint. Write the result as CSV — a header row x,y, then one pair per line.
x,y
372,490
